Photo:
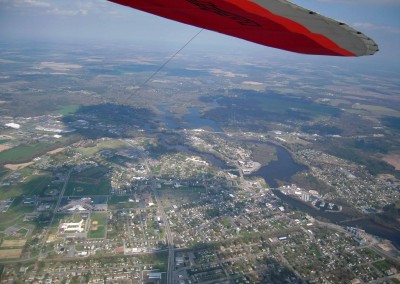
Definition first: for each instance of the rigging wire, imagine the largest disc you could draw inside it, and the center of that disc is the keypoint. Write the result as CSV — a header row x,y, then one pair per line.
x,y
162,66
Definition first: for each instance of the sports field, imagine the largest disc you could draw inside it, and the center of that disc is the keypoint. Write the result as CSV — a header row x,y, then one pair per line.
x,y
97,225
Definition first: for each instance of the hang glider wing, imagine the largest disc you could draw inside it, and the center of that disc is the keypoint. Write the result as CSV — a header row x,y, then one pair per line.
x,y
276,23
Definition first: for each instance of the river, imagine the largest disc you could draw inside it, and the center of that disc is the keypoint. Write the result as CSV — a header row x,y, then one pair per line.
x,y
192,120
282,170
285,167
341,219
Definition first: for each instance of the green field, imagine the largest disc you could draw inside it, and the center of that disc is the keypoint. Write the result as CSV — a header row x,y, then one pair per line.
x,y
89,182
100,227
14,214
3,172
22,153
383,265
255,110
362,156
285,104
68,109
80,189
108,144
35,185
377,110
158,260
120,202
280,104
175,196
60,217
392,122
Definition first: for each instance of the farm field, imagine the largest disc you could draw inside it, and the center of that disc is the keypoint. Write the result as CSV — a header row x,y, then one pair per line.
x,y
22,153
10,253
13,243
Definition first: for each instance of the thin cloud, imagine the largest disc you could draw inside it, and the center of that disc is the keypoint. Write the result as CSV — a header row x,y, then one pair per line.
x,y
370,26
24,3
36,3
63,12
81,8
59,7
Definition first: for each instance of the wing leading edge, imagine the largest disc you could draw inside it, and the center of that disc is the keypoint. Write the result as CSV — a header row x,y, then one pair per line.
x,y
275,23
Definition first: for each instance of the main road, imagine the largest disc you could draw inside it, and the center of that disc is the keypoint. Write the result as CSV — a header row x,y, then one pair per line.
x,y
170,240
56,209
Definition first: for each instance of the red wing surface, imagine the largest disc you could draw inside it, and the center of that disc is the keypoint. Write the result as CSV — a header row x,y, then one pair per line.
x,y
275,23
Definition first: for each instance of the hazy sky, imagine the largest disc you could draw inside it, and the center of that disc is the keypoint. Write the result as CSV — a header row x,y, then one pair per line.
x,y
100,20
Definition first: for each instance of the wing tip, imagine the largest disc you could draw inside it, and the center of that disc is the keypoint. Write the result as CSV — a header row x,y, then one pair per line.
x,y
370,46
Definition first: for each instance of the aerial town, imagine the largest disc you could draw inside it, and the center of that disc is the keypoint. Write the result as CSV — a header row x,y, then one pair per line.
x,y
117,199
218,189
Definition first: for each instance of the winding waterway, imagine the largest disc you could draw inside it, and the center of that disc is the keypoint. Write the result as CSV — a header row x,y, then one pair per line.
x,y
285,167
282,170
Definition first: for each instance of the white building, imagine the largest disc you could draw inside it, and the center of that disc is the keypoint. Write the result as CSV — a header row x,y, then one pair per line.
x,y
13,125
